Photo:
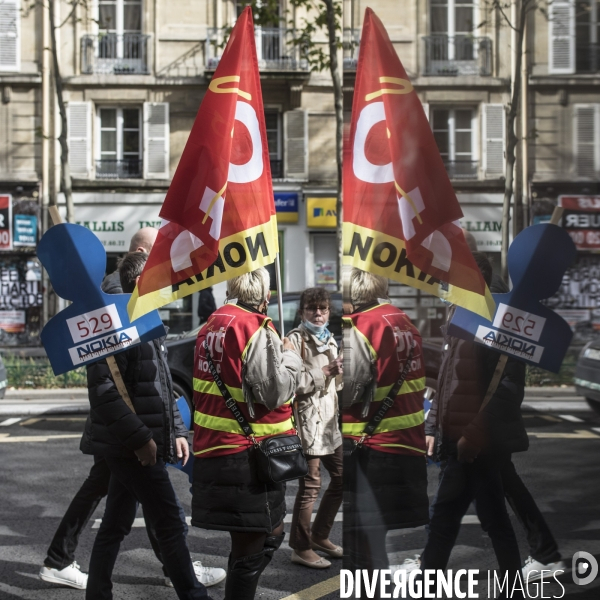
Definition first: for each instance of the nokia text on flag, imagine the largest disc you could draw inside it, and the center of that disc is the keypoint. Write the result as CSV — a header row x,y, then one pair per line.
x,y
401,215
218,218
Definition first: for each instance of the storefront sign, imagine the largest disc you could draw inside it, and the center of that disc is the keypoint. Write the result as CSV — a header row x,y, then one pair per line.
x,y
25,233
522,326
95,325
581,219
5,222
286,205
16,292
321,212
485,223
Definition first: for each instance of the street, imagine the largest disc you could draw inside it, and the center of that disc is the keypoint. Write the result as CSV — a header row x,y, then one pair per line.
x,y
42,469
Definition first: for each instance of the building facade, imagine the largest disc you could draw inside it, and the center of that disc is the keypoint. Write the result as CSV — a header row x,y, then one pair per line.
x,y
134,74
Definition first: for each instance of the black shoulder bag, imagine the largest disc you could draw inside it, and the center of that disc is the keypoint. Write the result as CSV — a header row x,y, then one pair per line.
x,y
280,457
351,446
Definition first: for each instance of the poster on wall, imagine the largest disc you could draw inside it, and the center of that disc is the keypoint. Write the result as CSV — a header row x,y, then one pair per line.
x,y
5,222
581,220
326,274
25,232
12,321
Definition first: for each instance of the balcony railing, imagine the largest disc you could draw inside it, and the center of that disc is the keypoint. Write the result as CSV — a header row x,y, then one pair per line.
x,y
351,44
457,55
276,168
118,54
274,48
587,58
462,169
129,168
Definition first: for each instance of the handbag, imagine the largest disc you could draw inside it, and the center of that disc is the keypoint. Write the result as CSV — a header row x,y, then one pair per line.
x,y
351,446
279,458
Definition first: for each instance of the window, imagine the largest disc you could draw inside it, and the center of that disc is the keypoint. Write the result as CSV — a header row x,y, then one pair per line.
x,y
273,125
452,23
454,133
587,38
120,16
10,44
119,143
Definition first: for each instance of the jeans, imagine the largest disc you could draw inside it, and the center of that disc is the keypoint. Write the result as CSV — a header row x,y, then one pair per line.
x,y
131,483
460,484
61,552
542,545
308,491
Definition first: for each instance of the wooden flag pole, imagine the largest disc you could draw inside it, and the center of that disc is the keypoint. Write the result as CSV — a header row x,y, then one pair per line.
x,y
279,294
557,215
112,363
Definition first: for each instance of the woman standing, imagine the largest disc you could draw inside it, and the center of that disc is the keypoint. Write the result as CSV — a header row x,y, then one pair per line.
x,y
317,411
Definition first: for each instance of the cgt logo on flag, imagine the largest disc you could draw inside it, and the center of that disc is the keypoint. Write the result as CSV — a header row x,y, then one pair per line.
x,y
585,568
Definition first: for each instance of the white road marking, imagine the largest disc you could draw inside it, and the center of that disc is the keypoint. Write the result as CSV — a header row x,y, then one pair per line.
x,y
596,429
579,434
550,406
6,438
10,421
571,418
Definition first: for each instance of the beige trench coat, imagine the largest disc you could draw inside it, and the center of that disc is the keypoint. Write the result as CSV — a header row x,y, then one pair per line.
x,y
316,395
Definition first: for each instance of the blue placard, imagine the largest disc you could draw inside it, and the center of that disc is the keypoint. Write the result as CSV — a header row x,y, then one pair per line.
x,y
286,202
95,325
522,327
25,230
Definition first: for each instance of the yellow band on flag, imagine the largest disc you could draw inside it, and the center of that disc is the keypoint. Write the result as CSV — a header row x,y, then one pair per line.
x,y
385,255
239,253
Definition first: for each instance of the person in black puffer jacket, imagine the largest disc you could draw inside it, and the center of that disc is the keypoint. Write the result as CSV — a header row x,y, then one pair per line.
x,y
473,444
136,446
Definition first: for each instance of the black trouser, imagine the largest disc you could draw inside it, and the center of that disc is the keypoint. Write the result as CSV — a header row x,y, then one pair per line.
x,y
131,483
460,484
61,552
542,545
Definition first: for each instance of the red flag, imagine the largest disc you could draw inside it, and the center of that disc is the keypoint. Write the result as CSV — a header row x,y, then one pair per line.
x,y
400,210
219,213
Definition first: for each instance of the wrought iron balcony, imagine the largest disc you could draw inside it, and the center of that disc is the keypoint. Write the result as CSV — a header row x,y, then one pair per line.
x,y
275,49
587,57
457,55
129,168
276,168
351,43
462,169
117,54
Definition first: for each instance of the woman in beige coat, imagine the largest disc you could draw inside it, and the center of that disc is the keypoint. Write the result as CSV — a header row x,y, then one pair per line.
x,y
317,416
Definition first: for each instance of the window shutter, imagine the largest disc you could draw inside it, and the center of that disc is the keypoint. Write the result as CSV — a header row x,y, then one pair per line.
x,y
79,119
295,130
10,29
561,37
586,157
494,125
156,140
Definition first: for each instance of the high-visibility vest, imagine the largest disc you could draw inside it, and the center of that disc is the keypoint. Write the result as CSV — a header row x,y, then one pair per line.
x,y
388,333
229,332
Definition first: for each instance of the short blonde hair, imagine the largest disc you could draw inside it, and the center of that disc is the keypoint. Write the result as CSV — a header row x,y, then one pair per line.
x,y
250,288
366,287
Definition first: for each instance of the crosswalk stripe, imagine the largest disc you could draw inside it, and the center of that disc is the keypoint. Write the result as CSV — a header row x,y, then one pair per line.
x,y
317,591
7,438
579,434
571,418
10,421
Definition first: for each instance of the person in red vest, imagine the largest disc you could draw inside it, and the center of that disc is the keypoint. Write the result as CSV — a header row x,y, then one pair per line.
x,y
261,374
385,473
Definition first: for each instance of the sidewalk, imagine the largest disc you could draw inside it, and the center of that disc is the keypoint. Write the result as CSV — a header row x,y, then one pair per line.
x,y
45,402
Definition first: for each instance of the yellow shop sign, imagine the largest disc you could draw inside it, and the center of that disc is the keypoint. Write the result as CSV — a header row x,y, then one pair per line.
x,y
321,212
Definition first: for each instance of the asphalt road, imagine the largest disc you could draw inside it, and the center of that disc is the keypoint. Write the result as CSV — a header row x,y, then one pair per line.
x,y
40,471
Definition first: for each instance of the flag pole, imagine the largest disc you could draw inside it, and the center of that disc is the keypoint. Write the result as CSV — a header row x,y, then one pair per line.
x,y
279,293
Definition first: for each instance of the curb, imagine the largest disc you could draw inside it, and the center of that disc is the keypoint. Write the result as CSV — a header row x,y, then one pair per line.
x,y
31,409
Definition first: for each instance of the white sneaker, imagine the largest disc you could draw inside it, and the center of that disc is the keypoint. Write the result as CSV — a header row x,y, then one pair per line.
x,y
206,575
70,576
532,570
410,564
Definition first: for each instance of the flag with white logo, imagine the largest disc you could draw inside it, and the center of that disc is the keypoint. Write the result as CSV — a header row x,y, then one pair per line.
x,y
401,215
218,218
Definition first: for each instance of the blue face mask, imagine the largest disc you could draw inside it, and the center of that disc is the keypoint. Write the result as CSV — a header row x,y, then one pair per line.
x,y
319,331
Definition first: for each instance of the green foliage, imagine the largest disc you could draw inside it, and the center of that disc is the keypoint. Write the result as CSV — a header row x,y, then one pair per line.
x,y
37,373
539,377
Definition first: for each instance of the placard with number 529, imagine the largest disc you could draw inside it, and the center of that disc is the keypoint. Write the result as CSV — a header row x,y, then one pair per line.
x,y
519,322
96,322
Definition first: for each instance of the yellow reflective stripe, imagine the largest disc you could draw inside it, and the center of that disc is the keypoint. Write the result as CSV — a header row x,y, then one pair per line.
x,y
217,448
210,387
415,385
400,446
232,426
391,424
263,324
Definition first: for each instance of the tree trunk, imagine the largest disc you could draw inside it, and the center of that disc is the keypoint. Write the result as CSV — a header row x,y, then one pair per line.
x,y
338,97
65,172
511,138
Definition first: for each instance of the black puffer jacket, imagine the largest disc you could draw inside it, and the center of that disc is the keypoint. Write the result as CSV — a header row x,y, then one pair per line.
x,y
466,371
112,429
